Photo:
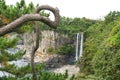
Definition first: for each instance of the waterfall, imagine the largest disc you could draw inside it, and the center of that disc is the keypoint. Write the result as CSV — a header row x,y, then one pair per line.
x,y
79,46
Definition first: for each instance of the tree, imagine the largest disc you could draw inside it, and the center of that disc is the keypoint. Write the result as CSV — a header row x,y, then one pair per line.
x,y
33,17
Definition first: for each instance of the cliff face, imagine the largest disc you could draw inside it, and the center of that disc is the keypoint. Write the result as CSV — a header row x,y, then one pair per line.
x,y
28,41
49,39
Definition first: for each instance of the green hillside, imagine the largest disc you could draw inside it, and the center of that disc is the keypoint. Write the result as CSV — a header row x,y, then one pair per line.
x,y
102,49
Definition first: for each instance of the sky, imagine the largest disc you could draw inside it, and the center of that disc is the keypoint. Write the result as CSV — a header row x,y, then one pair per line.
x,y
93,9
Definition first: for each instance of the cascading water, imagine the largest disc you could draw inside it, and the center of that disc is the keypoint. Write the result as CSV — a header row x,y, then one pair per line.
x,y
79,46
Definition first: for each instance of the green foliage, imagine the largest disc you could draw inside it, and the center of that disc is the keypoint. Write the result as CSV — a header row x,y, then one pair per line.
x,y
102,49
51,76
66,74
25,28
8,13
72,77
62,50
20,72
7,43
65,50
71,26
7,78
41,76
51,50
112,16
9,57
115,30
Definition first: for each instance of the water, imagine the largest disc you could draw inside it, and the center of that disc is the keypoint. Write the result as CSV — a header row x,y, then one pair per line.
x,y
79,44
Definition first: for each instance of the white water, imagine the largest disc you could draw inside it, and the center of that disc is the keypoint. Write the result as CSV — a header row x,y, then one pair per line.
x,y
79,46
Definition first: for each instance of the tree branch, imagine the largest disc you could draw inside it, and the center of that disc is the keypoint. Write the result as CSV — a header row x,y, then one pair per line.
x,y
32,17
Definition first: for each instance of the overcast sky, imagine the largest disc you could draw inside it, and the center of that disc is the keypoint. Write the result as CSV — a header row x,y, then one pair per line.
x,y
93,9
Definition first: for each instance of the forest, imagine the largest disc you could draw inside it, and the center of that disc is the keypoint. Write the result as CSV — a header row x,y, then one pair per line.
x,y
101,47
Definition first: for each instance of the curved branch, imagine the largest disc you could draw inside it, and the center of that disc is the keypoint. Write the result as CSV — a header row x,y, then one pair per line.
x,y
32,17
55,11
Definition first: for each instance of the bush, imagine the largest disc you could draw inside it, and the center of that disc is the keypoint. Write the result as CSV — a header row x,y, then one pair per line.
x,y
51,50
66,50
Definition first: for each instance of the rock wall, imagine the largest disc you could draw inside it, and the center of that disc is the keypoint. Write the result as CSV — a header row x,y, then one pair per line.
x,y
48,39
28,41
51,39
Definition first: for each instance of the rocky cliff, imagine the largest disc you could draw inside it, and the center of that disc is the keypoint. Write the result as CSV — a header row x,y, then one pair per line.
x,y
48,39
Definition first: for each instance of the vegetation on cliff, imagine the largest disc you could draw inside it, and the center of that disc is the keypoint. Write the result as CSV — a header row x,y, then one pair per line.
x,y
102,49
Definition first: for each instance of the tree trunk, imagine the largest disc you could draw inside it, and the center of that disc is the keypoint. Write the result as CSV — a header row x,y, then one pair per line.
x,y
34,50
